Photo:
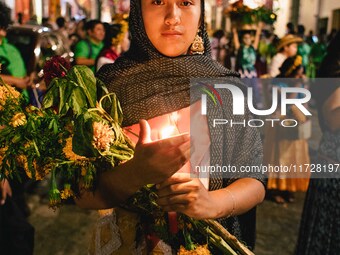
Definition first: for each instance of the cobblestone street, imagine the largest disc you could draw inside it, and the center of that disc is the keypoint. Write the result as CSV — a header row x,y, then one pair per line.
x,y
67,230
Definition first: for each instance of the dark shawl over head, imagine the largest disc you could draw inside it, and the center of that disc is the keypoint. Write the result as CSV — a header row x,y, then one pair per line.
x,y
149,84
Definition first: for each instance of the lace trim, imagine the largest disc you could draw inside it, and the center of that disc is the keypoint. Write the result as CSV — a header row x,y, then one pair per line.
x,y
114,243
138,250
165,248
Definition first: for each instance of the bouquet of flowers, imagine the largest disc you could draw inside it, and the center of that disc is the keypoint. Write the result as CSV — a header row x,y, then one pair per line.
x,y
242,14
73,138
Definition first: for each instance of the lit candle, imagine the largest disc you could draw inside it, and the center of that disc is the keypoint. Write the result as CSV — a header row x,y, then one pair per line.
x,y
168,132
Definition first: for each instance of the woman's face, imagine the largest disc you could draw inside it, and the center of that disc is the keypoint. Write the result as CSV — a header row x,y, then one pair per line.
x,y
171,25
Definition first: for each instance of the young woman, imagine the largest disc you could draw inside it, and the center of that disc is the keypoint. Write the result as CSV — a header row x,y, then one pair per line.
x,y
152,81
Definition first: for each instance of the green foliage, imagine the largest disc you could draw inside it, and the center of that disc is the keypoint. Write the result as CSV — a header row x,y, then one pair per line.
x,y
59,139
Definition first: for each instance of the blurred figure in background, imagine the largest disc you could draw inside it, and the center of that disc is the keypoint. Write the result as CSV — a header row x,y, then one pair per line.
x,y
62,31
303,48
280,150
287,47
318,52
20,18
116,42
33,20
45,22
290,29
218,46
87,50
13,70
78,34
320,224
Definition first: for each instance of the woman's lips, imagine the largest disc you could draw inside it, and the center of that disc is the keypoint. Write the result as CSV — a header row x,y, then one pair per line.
x,y
172,33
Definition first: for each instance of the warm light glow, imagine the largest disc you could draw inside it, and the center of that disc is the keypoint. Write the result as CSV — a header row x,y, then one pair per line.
x,y
168,131
251,3
174,117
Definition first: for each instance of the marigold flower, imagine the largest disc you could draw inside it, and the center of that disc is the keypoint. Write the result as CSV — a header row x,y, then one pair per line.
x,y
66,192
200,250
69,152
23,162
18,119
103,136
7,92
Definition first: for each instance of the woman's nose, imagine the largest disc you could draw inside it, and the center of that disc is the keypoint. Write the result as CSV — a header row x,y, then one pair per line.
x,y
173,15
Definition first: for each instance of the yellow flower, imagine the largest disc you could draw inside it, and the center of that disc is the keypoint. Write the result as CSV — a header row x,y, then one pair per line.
x,y
22,162
7,92
83,171
18,119
66,192
69,152
200,250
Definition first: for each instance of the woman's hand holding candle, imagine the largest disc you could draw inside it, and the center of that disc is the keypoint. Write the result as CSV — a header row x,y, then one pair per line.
x,y
155,161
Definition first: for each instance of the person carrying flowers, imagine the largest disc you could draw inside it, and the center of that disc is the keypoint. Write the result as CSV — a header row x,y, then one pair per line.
x,y
152,81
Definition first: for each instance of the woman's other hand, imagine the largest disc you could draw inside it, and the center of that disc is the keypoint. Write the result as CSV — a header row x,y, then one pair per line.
x,y
186,194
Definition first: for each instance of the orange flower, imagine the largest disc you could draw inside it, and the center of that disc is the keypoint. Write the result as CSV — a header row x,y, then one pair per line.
x,y
18,119
103,136
69,152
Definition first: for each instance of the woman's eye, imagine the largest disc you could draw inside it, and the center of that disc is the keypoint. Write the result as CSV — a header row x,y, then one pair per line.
x,y
186,3
157,2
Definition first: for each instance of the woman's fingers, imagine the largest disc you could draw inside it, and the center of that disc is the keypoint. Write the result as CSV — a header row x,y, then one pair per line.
x,y
144,132
174,189
172,141
177,178
174,199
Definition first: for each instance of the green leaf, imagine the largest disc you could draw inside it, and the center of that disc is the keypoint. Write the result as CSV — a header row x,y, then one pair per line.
x,y
111,105
84,77
65,89
83,137
52,95
78,101
101,89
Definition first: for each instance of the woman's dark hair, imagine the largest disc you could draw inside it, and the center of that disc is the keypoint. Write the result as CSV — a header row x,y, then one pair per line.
x,y
5,16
